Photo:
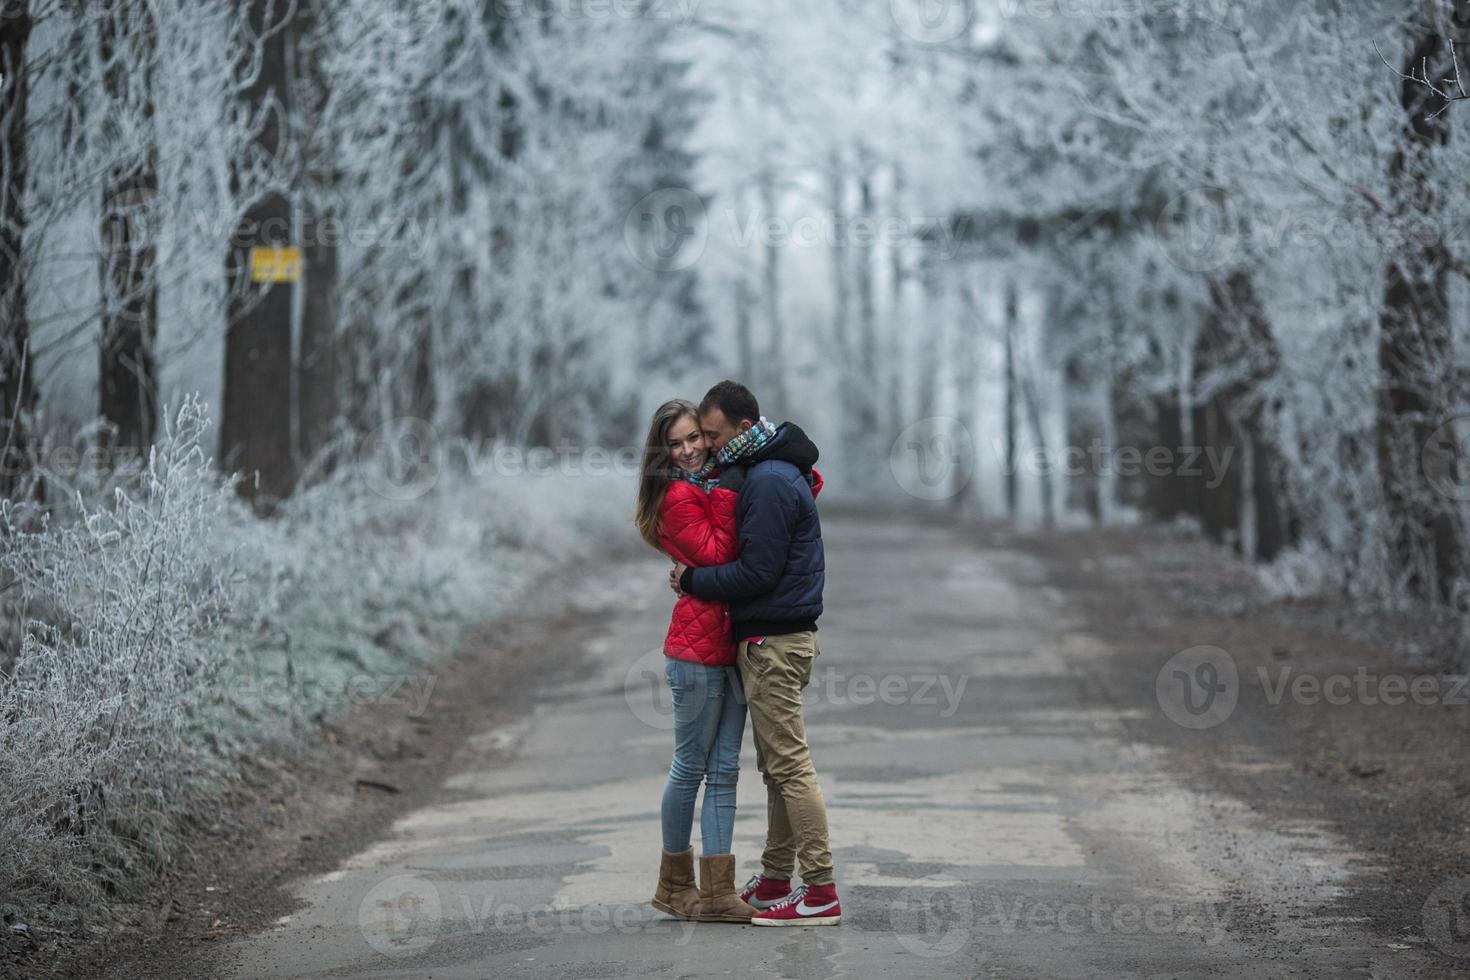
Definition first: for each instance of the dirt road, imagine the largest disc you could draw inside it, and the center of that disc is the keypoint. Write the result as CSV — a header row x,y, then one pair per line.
x,y
994,811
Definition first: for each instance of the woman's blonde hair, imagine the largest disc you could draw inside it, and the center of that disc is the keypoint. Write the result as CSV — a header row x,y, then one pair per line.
x,y
654,479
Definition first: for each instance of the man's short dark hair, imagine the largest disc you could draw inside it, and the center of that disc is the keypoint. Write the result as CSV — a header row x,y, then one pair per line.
x,y
734,400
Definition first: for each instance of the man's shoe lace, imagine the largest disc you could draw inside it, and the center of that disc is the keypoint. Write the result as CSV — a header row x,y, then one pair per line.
x,y
791,899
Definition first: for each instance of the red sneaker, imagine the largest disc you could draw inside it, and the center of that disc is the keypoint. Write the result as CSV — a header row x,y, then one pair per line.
x,y
761,892
809,905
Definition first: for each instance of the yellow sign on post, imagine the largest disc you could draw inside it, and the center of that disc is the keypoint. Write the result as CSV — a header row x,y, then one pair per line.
x,y
271,263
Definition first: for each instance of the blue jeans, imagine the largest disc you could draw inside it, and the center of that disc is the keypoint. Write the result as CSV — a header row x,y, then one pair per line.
x,y
709,722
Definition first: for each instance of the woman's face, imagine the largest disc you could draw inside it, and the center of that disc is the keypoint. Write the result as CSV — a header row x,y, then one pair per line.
x,y
685,443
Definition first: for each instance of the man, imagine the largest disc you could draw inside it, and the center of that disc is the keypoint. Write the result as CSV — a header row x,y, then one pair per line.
x,y
774,590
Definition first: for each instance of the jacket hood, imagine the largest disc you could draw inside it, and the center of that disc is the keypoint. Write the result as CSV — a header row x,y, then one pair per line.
x,y
789,445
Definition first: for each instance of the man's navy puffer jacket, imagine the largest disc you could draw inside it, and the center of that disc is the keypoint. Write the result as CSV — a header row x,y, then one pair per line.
x,y
775,585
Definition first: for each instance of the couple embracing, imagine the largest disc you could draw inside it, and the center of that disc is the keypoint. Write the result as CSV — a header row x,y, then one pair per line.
x,y
732,499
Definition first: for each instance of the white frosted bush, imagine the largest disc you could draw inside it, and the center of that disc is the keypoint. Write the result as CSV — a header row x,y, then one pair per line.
x,y
101,750
168,635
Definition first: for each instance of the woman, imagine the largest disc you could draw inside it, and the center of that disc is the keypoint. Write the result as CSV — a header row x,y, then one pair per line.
x,y
692,520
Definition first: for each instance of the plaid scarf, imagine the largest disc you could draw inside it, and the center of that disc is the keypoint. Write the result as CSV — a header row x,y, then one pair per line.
x,y
740,447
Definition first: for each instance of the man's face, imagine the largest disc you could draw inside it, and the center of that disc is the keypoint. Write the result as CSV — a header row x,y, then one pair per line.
x,y
719,430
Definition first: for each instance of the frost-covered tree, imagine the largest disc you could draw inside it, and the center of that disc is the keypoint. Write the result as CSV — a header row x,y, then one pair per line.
x,y
17,371
255,420
1415,348
126,55
319,398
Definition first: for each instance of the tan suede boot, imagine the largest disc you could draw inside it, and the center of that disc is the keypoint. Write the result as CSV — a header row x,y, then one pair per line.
x,y
718,900
676,893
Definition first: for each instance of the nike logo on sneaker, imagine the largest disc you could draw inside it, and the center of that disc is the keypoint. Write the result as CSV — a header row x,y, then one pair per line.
x,y
802,908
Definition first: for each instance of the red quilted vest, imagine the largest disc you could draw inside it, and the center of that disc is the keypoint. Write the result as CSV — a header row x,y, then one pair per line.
x,y
698,529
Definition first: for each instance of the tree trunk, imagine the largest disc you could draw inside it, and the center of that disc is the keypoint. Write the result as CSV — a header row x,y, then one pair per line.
x,y
865,382
1012,489
1414,353
1189,495
1239,501
1105,481
255,425
502,243
1246,522
775,367
17,387
1080,429
1107,413
496,400
966,355
423,393
744,342
898,325
1218,500
930,345
1164,494
317,373
841,300
858,466
318,402
1031,399
127,371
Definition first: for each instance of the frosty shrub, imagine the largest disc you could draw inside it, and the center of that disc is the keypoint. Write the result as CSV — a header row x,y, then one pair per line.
x,y
104,748
168,636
